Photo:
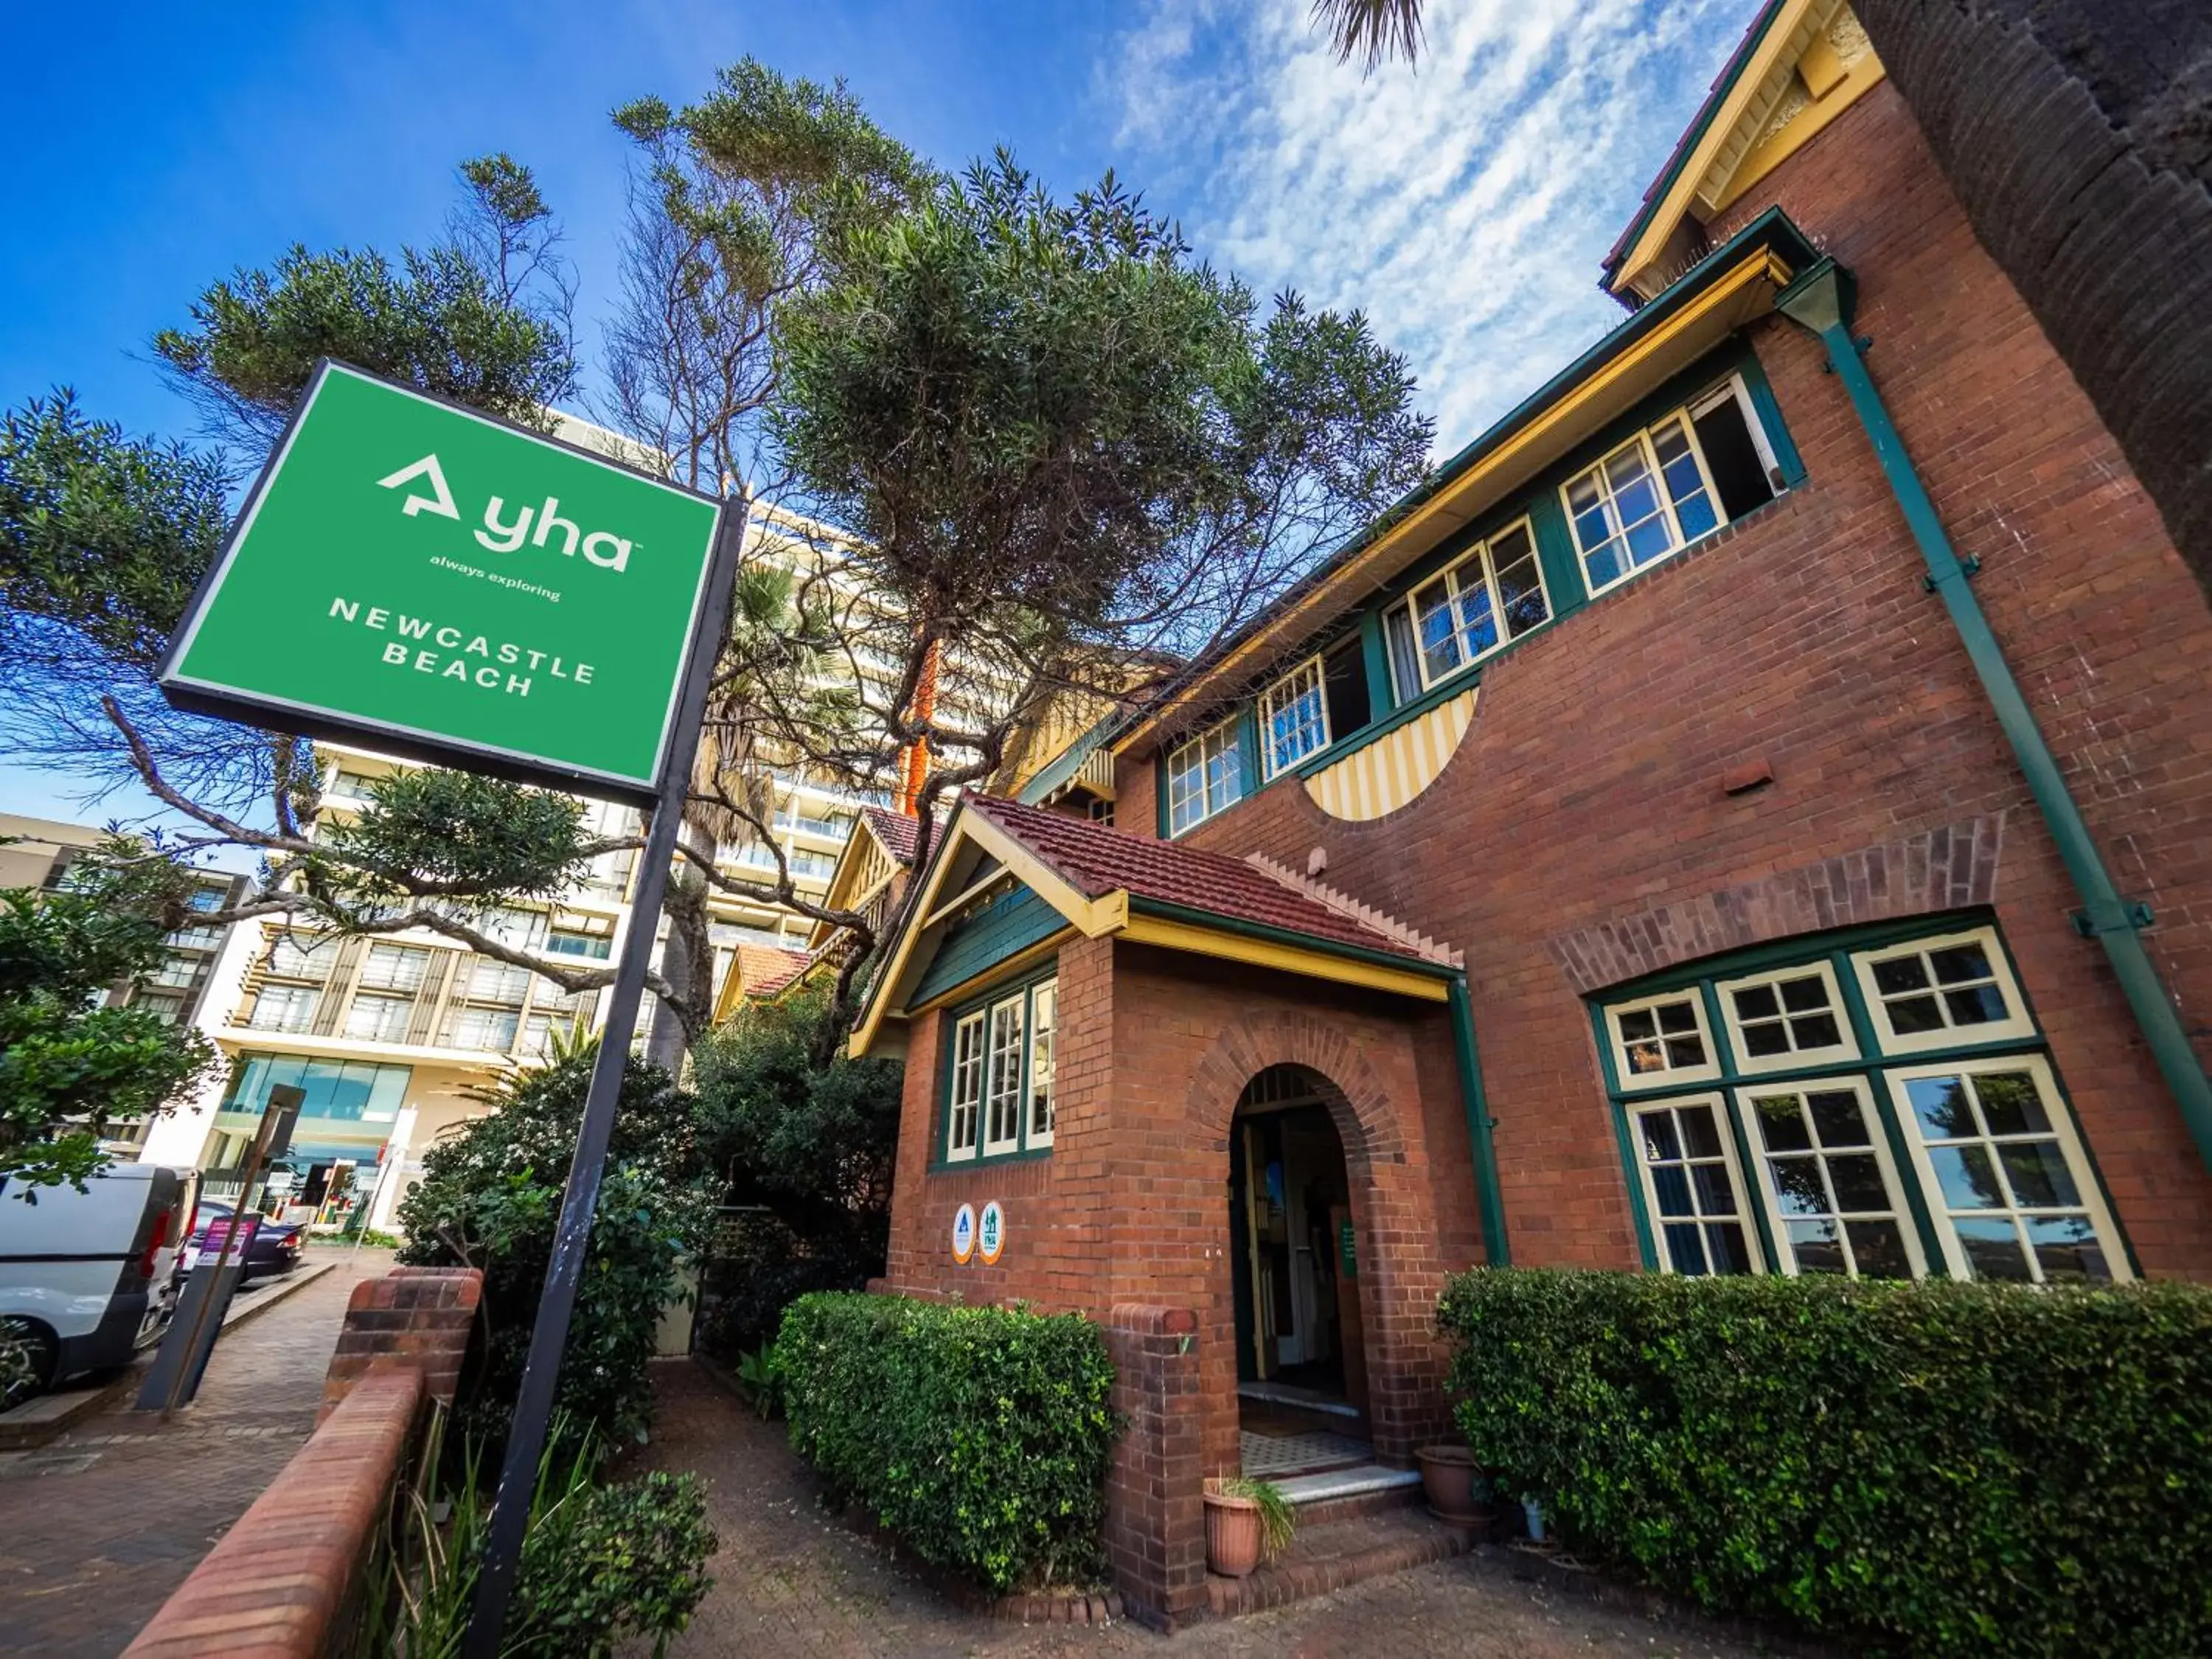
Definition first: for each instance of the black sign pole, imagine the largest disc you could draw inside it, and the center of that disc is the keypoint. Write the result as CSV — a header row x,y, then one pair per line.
x,y
533,1408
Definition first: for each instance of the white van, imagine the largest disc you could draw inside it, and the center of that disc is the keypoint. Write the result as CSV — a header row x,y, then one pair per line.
x,y
94,1273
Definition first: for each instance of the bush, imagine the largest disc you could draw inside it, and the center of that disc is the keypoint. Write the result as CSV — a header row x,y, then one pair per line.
x,y
979,1436
1944,1467
599,1563
490,1197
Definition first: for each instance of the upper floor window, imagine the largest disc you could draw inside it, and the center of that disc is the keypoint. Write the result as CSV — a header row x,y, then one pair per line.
x,y
1000,1096
1947,1147
1496,593
1293,718
1205,775
1675,481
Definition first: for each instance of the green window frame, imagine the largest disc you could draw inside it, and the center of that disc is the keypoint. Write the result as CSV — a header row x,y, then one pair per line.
x,y
1776,1113
998,1091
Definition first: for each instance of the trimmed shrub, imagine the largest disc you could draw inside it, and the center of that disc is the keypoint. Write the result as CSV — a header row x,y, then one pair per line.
x,y
979,1436
1939,1467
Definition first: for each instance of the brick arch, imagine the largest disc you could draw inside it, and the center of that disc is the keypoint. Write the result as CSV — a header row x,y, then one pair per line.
x,y
1365,1123
1946,868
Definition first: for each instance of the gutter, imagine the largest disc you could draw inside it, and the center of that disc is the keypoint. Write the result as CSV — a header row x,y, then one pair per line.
x,y
1820,301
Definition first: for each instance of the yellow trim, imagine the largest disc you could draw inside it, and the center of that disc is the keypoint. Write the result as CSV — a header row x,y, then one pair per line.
x,y
1198,940
1857,81
1573,415
1676,202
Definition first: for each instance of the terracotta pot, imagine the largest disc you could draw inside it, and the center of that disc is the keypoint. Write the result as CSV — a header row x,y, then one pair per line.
x,y
1454,1483
1232,1534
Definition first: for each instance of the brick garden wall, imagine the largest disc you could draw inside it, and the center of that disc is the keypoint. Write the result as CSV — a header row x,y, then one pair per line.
x,y
1587,799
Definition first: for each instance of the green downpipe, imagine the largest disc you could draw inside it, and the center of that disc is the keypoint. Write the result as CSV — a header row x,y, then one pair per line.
x,y
1494,1247
1820,301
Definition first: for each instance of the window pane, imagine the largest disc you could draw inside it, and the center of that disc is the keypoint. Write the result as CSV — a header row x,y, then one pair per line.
x,y
1858,1180
1993,1250
1765,1041
1697,1132
1520,585
1805,995
1798,1189
1967,1178
2010,1104
1477,626
1678,1016
2066,1248
1818,1246
1940,1104
1837,1117
2038,1176
1910,1016
1440,653
1659,1141
1781,1125
1899,974
1956,964
1724,1241
1756,1002
1405,663
1815,1032
1976,1005
1672,1184
1685,1250
1045,1020
1714,1195
1878,1249
1639,1023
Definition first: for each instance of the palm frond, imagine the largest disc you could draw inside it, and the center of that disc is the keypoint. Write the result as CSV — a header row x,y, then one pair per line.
x,y
1375,30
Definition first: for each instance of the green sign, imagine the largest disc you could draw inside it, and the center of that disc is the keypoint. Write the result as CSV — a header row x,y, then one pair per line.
x,y
431,579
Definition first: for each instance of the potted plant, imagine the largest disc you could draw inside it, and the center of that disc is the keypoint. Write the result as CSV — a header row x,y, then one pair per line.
x,y
1455,1486
1246,1522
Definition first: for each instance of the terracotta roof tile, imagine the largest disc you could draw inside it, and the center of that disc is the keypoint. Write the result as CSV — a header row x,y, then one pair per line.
x,y
1098,861
897,830
764,970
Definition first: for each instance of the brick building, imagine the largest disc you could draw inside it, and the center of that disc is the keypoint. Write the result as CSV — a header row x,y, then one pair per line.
x,y
1751,812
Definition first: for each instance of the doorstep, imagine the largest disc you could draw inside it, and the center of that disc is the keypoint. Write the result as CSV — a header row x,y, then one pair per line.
x,y
1337,1495
1323,1558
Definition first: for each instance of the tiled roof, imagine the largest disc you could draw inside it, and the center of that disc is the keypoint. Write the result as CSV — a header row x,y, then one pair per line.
x,y
1097,860
897,830
764,970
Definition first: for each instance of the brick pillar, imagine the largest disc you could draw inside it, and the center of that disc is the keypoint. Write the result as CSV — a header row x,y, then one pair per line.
x,y
1155,1520
417,1314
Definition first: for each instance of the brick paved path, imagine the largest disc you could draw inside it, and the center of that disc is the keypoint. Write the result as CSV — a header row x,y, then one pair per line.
x,y
98,1526
790,1580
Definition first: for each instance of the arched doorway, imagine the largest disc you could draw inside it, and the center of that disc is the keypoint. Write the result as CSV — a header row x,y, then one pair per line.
x,y
1301,1348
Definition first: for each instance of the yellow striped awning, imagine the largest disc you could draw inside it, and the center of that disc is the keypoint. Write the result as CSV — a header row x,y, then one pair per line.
x,y
1391,771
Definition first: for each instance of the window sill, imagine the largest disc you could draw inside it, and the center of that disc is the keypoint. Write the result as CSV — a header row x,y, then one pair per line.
x,y
987,1161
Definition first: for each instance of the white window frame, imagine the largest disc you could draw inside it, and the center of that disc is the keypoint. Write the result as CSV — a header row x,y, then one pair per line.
x,y
1719,1105
1674,1077
1845,1051
1483,557
1703,403
1220,739
2060,1114
1306,680
1900,1211
966,1096
1015,1093
382,1003
2020,1025
306,999
1043,1048
415,959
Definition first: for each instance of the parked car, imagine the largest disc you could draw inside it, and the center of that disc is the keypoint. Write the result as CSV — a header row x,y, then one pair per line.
x,y
93,1275
275,1249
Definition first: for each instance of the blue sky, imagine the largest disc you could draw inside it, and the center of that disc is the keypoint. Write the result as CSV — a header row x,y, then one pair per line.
x,y
1465,204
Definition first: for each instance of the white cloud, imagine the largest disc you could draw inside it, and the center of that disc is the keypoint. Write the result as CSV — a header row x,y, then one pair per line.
x,y
1465,202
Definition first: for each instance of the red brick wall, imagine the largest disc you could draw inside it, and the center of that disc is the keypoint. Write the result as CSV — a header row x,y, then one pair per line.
x,y
1588,791
1133,1205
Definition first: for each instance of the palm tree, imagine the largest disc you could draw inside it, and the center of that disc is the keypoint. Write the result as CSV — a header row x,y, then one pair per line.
x,y
1375,30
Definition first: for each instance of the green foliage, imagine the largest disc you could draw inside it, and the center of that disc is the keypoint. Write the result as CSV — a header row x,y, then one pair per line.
x,y
1278,1519
68,1069
99,532
461,833
1044,414
1940,1467
760,1380
599,1563
469,319
813,1145
490,1197
980,1436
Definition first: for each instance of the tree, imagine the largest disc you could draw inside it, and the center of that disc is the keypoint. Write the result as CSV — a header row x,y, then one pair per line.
x,y
1068,454
490,1197
1374,30
70,1069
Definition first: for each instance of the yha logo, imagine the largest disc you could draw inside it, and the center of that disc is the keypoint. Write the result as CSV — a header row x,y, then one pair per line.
x,y
601,547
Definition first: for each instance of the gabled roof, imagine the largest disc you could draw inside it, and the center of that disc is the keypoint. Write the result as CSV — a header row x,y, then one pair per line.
x,y
1800,64
898,831
1097,881
759,971
1097,860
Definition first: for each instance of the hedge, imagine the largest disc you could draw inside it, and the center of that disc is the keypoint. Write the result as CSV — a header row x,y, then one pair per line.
x,y
1933,1468
979,1436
